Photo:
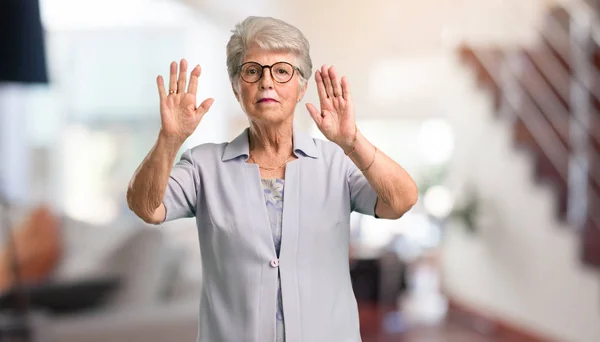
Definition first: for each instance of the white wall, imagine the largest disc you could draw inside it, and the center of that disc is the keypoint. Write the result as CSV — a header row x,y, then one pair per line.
x,y
523,264
103,115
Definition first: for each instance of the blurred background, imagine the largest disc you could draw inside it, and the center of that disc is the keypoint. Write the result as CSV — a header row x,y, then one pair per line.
x,y
491,105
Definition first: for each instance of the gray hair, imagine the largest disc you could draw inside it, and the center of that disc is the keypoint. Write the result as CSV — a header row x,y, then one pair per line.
x,y
269,34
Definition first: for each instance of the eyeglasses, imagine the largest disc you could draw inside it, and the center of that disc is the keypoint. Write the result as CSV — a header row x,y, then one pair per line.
x,y
281,72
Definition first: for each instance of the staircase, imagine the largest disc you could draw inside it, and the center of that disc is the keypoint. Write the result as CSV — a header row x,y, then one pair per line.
x,y
549,93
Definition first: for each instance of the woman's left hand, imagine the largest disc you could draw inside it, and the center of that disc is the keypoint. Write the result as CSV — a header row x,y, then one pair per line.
x,y
335,119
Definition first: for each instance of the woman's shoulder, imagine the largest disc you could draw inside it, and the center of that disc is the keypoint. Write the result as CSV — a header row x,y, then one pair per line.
x,y
331,154
208,147
206,152
327,148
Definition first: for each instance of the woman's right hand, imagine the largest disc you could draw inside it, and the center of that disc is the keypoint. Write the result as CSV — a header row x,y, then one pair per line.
x,y
178,111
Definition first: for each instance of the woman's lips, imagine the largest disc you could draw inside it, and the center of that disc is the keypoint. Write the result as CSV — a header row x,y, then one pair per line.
x,y
266,100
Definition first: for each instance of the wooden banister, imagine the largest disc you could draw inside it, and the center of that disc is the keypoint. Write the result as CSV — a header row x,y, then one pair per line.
x,y
556,113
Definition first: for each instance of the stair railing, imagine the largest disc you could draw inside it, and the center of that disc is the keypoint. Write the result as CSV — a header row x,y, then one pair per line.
x,y
548,121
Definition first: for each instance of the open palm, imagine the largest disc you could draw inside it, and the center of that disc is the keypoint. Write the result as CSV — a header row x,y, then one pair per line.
x,y
335,119
178,112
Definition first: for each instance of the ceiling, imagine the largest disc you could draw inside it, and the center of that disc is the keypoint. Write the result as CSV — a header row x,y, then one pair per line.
x,y
400,25
389,49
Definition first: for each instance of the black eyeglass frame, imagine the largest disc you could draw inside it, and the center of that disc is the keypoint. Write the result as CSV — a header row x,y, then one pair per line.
x,y
270,67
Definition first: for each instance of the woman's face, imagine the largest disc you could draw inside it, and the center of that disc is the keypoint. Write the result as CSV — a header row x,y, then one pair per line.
x,y
267,100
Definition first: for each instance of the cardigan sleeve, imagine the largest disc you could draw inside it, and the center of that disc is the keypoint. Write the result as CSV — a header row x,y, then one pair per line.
x,y
182,189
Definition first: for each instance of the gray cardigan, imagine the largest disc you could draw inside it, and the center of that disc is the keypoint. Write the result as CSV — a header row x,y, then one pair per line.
x,y
214,183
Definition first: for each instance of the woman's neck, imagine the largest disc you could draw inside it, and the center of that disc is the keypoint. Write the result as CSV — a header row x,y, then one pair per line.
x,y
271,140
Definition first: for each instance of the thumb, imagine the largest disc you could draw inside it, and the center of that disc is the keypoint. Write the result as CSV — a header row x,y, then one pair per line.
x,y
314,113
204,106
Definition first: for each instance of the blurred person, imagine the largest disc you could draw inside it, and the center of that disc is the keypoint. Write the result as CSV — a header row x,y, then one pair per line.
x,y
272,272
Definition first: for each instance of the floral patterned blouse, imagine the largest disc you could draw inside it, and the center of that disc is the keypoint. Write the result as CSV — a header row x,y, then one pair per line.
x,y
273,191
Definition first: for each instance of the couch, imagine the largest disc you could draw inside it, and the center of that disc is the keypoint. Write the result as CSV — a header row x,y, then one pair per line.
x,y
159,282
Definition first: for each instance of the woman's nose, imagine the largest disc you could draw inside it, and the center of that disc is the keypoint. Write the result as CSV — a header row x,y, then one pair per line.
x,y
266,81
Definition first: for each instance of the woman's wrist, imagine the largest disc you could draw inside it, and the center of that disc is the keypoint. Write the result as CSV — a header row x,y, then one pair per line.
x,y
349,145
170,141
362,152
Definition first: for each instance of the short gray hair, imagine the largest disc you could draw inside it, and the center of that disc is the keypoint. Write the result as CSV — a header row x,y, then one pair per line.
x,y
269,34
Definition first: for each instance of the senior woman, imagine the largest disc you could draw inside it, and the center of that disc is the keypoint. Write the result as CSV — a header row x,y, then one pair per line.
x,y
272,206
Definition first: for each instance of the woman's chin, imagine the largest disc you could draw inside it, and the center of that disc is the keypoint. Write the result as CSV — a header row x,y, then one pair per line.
x,y
268,115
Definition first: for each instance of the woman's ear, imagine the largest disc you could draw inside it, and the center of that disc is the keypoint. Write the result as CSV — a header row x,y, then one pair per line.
x,y
237,95
302,92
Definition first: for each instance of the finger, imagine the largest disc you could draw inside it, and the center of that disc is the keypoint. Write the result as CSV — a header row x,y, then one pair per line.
x,y
346,89
204,106
314,113
193,85
326,81
173,78
161,88
320,86
182,76
335,84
